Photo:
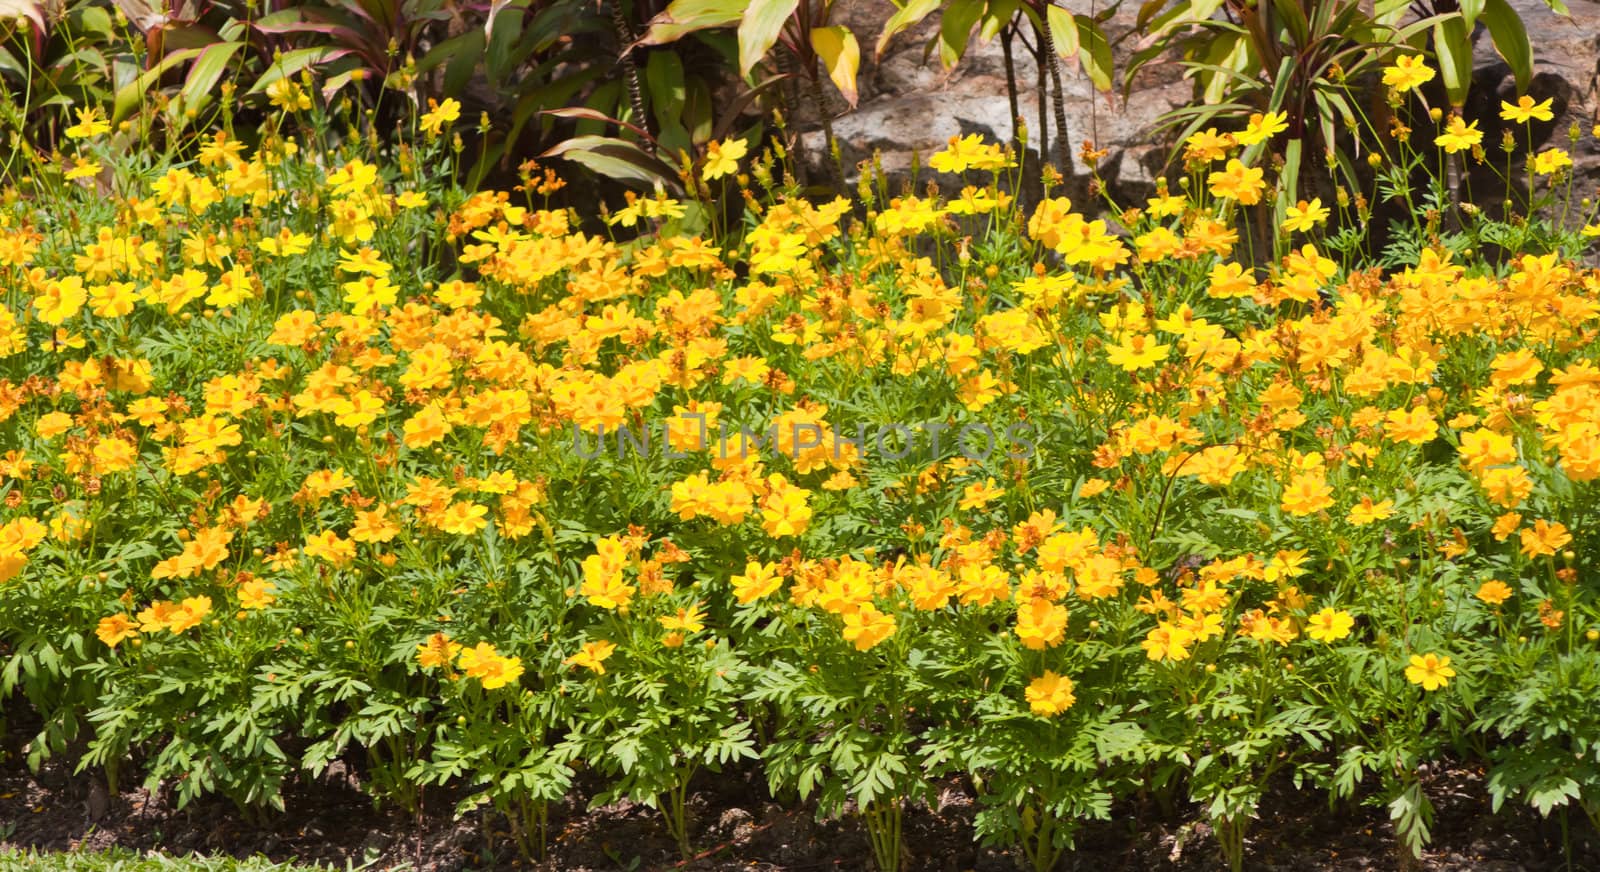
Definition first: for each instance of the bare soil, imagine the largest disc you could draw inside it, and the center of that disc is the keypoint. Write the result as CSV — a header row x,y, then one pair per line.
x,y
737,826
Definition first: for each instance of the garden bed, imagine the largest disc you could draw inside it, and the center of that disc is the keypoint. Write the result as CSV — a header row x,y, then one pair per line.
x,y
330,822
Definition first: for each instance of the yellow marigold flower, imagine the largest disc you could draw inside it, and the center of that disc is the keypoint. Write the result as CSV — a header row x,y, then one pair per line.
x,y
1459,135
1494,592
83,169
1263,127
1303,216
689,620
1050,694
1167,641
866,626
188,614
330,547
1415,427
1526,110
1041,623
374,526
1544,538
1207,145
592,656
491,668
256,594
979,494
1307,493
90,124
115,628
1407,73
437,651
1330,625
1432,671
463,518
1484,448
1136,351
440,114
722,158
1551,160
758,581
1367,511
1238,182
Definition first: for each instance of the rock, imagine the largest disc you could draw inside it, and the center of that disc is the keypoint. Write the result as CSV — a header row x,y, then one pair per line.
x,y
910,107
732,818
1566,71
99,800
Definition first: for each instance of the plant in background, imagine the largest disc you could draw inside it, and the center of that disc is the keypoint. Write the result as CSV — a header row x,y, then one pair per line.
x,y
1059,40
809,47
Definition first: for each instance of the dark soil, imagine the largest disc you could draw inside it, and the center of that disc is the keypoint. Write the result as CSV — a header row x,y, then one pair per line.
x,y
737,826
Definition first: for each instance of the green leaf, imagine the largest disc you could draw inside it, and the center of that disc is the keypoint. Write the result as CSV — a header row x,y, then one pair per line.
x,y
1510,39
292,62
955,28
836,47
1095,52
999,13
129,96
207,72
1454,48
759,27
663,76
683,17
615,158
908,15
1063,32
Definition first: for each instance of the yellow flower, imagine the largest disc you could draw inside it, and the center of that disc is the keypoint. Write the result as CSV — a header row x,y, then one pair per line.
x,y
1551,160
1303,216
866,627
1050,694
1041,623
1408,73
256,594
1238,182
90,124
1167,642
757,581
437,651
84,169
1526,110
1307,493
978,495
1432,671
1136,351
1330,625
1544,539
439,115
1262,128
189,613
491,668
1459,135
285,243
115,628
1494,592
592,656
689,620
1367,511
722,158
